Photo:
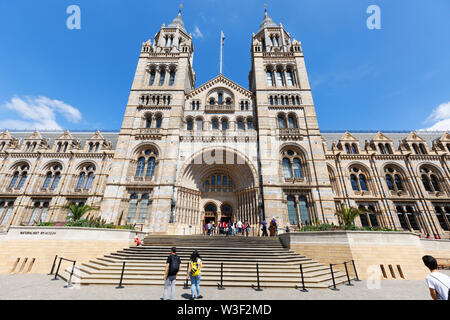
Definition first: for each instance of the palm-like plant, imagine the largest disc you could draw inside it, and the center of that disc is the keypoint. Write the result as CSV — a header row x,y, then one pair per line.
x,y
77,212
348,215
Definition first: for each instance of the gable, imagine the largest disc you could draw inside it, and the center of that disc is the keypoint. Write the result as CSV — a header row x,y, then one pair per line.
x,y
219,82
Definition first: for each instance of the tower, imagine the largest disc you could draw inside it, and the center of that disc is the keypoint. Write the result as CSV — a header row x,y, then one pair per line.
x,y
140,185
288,131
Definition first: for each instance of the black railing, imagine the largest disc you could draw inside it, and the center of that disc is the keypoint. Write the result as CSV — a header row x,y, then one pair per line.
x,y
303,280
53,266
120,286
258,287
220,285
347,273
69,281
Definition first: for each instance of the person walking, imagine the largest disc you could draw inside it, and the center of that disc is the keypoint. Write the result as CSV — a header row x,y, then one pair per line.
x,y
239,227
194,273
264,229
438,283
170,274
209,226
246,228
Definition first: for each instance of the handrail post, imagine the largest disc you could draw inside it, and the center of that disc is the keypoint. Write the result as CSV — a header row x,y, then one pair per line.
x,y
57,270
257,278
348,275
121,277
354,268
220,287
69,282
332,276
53,266
303,279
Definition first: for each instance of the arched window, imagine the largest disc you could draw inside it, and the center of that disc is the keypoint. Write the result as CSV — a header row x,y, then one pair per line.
x,y
158,122
388,149
271,103
152,77
382,150
292,122
199,124
289,78
48,179
287,169
354,148
398,182
347,148
240,124
146,164
55,181
162,77
292,210
279,77
151,168
132,209
220,99
389,182
249,124
354,182
269,78
190,124
172,78
91,147
148,121
215,124
55,174
298,173
20,175
416,149
218,182
430,180
422,148
83,183
224,124
281,122
140,167
304,211
363,182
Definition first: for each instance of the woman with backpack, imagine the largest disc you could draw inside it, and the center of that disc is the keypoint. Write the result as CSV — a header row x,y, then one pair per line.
x,y
194,273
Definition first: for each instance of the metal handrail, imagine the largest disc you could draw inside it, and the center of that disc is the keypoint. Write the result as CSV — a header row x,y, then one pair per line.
x,y
69,282
121,276
220,286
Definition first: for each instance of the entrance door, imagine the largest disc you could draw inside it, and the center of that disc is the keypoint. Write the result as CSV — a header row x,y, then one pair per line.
x,y
227,213
210,215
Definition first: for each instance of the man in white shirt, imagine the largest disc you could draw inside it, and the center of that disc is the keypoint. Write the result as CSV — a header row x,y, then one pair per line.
x,y
239,227
438,282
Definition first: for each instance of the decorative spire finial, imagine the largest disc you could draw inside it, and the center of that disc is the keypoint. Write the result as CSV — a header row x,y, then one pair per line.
x,y
181,7
265,7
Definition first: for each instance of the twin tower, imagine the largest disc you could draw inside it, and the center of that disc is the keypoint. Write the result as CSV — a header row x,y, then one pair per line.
x,y
187,155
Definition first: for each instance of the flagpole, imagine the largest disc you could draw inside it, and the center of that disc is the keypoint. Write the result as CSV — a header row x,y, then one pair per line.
x,y
221,49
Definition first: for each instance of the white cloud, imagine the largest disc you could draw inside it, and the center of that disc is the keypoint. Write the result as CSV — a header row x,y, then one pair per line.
x,y
197,33
36,113
440,117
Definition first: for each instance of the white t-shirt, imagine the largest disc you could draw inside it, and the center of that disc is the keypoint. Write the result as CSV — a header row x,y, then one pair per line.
x,y
440,282
239,224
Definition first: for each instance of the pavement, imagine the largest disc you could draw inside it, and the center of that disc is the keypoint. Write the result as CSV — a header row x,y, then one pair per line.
x,y
42,287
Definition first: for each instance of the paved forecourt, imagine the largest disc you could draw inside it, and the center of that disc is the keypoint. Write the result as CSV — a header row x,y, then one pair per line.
x,y
41,287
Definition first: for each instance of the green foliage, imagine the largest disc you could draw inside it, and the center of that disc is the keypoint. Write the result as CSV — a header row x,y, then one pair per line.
x,y
91,222
45,224
333,227
77,212
347,216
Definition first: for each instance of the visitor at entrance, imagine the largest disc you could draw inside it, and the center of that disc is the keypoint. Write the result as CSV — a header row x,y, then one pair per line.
x,y
170,274
273,228
213,228
438,283
264,229
246,228
209,227
229,228
205,229
194,273
239,227
233,228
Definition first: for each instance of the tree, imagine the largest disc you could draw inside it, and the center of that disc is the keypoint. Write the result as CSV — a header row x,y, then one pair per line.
x,y
347,216
77,212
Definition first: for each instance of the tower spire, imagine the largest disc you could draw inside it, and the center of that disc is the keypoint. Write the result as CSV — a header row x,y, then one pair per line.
x,y
178,21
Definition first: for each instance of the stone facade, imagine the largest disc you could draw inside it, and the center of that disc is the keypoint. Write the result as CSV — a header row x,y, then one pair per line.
x,y
188,154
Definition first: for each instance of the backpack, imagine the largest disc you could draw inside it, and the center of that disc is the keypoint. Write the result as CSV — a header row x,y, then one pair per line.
x,y
195,270
174,265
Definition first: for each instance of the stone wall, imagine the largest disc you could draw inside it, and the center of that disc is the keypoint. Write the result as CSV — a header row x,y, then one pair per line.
x,y
398,253
33,249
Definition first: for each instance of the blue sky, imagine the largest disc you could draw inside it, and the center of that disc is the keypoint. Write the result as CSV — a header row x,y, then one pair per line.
x,y
396,78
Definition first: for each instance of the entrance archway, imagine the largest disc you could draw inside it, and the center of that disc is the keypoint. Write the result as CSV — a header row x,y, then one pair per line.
x,y
219,176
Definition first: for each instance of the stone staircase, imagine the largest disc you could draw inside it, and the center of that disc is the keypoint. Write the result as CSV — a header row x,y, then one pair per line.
x,y
278,267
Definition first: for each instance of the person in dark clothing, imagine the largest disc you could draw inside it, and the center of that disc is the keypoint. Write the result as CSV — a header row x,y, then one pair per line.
x,y
170,274
264,229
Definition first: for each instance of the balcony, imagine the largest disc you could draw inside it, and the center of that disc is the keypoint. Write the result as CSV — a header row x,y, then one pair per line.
x,y
294,134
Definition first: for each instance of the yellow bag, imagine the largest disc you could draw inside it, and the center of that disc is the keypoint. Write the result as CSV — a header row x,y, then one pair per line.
x,y
195,269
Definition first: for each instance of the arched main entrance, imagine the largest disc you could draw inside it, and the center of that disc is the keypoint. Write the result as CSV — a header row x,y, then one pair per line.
x,y
225,189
